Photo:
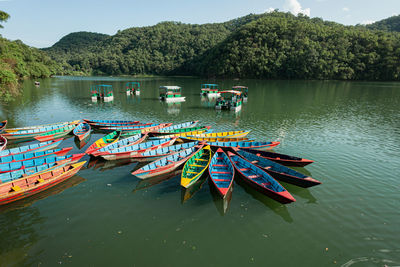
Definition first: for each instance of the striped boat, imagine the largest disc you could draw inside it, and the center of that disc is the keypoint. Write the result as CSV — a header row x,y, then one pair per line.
x,y
82,131
188,124
54,125
260,180
142,128
35,155
218,139
3,143
196,166
162,152
130,141
279,171
228,135
31,148
181,130
26,164
280,158
251,145
58,133
126,134
109,122
32,133
3,125
166,164
35,183
182,134
127,152
221,172
104,141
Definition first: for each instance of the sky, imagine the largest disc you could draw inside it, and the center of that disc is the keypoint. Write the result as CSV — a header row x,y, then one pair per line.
x,y
41,23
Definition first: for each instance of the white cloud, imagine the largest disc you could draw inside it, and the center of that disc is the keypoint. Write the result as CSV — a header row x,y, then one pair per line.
x,y
365,22
346,9
269,10
294,7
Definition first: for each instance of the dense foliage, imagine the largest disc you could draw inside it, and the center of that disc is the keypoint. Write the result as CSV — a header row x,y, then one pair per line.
x,y
273,45
391,24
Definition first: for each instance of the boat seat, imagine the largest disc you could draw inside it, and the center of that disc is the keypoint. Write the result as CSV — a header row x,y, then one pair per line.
x,y
265,184
254,176
222,172
220,158
244,169
254,161
201,159
195,165
192,172
220,165
170,161
222,180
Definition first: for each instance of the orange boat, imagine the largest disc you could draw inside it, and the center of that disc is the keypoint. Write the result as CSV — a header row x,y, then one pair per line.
x,y
35,183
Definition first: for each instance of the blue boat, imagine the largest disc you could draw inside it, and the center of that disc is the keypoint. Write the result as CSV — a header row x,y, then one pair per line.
x,y
31,133
127,152
166,164
221,172
82,131
20,165
110,122
260,180
133,140
179,126
34,155
252,145
162,152
279,171
30,148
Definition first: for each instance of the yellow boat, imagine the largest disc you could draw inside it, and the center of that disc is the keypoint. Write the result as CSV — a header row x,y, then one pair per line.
x,y
229,134
218,139
195,166
198,132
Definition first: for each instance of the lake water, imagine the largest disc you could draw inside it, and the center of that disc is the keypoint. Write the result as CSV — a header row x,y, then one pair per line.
x,y
107,217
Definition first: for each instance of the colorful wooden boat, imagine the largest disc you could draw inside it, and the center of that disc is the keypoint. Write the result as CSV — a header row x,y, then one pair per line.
x,y
32,133
279,171
126,134
133,140
3,125
280,158
35,183
26,164
55,133
196,166
182,134
221,172
162,152
260,180
31,148
181,130
166,164
82,131
217,139
104,141
129,151
56,125
188,124
3,143
35,155
110,122
142,128
117,125
228,135
251,145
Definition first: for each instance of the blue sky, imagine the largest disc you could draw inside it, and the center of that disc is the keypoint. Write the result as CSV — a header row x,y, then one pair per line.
x,y
41,23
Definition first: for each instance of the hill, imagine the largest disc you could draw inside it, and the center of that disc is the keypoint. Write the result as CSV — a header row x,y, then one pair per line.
x,y
391,24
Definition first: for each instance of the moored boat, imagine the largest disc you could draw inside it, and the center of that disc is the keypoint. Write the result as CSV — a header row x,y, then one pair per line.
x,y
280,158
30,134
35,155
181,130
171,94
252,145
181,134
221,172
260,180
142,128
279,171
127,152
151,155
229,100
227,134
243,89
196,166
3,143
188,124
218,139
55,125
109,122
130,141
3,125
82,131
210,90
166,164
55,133
35,183
104,141
133,88
30,163
31,148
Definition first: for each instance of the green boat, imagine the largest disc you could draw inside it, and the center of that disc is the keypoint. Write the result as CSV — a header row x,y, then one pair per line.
x,y
196,166
55,133
129,134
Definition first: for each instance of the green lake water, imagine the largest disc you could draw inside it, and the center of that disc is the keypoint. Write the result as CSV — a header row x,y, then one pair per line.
x,y
107,217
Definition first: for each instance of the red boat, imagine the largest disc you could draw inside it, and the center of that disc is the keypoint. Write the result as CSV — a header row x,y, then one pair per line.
x,y
3,125
283,159
35,183
3,143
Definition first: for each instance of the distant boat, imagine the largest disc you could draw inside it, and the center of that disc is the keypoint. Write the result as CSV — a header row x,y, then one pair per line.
x,y
37,83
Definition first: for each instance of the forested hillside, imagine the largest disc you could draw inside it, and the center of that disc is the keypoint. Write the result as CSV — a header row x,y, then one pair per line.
x,y
391,24
19,61
271,45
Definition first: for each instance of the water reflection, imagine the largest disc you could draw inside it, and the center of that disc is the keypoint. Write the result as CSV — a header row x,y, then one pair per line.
x,y
222,204
147,183
188,193
300,192
275,206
